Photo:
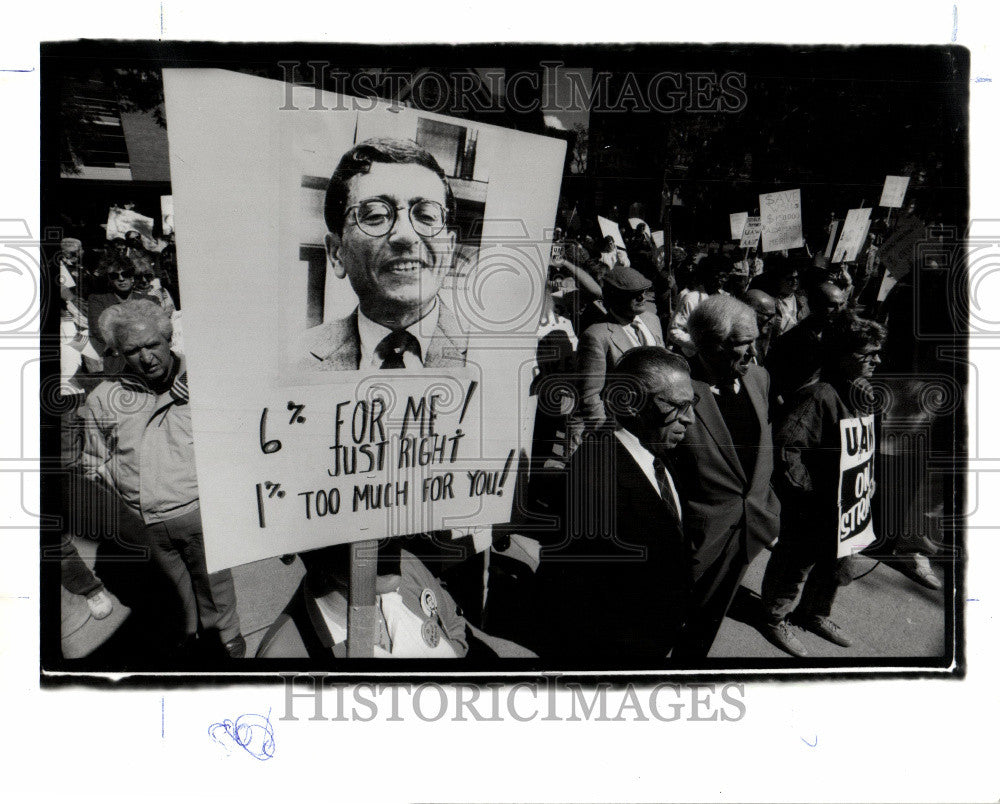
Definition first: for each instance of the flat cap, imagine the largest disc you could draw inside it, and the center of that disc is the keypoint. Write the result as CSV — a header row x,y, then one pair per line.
x,y
627,279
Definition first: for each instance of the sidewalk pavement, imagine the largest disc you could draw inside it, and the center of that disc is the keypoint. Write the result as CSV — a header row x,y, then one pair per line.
x,y
884,612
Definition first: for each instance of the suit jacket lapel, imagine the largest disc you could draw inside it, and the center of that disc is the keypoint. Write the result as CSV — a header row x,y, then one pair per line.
x,y
619,339
710,416
448,345
760,408
631,476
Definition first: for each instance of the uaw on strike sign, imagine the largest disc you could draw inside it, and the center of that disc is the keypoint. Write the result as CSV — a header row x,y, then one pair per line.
x,y
857,485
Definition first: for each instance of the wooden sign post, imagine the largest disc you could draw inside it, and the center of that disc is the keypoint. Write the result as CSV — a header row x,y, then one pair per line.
x,y
361,611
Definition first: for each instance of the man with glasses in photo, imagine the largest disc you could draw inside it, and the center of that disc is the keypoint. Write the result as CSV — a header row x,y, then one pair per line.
x,y
387,211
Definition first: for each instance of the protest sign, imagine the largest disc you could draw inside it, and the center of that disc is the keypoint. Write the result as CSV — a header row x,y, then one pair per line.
x,y
297,450
737,220
751,232
852,235
893,191
122,221
856,486
610,229
781,219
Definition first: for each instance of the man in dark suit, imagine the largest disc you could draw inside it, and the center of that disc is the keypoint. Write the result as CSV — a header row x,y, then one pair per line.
x,y
628,324
724,466
794,358
387,210
613,583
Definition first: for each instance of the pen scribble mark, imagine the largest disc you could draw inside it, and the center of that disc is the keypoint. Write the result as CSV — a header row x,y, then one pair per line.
x,y
253,733
812,744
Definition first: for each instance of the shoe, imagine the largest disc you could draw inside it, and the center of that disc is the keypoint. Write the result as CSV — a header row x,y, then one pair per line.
x,y
783,635
828,629
100,605
236,647
917,567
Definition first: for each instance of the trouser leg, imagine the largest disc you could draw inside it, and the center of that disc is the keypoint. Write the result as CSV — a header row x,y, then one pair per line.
x,y
786,573
76,575
820,590
215,593
713,593
166,554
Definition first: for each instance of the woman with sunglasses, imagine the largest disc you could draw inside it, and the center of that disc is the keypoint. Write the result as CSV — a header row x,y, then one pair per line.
x,y
120,274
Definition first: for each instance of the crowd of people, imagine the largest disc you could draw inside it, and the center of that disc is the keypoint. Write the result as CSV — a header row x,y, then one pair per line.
x,y
696,423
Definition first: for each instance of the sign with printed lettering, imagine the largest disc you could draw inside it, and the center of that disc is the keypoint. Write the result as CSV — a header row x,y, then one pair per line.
x,y
319,417
751,232
852,235
857,485
893,191
781,216
737,220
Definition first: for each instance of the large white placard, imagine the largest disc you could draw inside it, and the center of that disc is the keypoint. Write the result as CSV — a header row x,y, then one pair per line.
x,y
292,459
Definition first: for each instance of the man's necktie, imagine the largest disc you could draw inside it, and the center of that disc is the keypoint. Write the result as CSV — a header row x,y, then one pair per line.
x,y
391,348
665,491
639,334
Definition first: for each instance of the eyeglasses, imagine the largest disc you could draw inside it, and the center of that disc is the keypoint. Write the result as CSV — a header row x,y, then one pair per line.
x,y
869,357
119,275
677,410
376,217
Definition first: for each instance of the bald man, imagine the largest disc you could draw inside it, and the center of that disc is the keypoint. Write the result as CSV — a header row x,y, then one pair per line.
x,y
793,360
764,306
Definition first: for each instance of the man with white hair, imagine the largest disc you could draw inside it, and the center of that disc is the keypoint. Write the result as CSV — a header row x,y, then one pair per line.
x,y
723,466
138,439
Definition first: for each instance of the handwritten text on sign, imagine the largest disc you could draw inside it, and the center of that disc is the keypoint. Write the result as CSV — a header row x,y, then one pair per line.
x,y
381,453
781,217
751,232
857,485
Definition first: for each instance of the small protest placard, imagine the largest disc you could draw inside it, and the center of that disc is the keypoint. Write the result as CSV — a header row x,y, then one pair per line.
x,y
857,485
751,232
893,191
122,221
610,229
781,216
852,236
737,220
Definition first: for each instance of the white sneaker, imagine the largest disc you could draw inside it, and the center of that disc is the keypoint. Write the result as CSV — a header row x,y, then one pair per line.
x,y
918,567
100,605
